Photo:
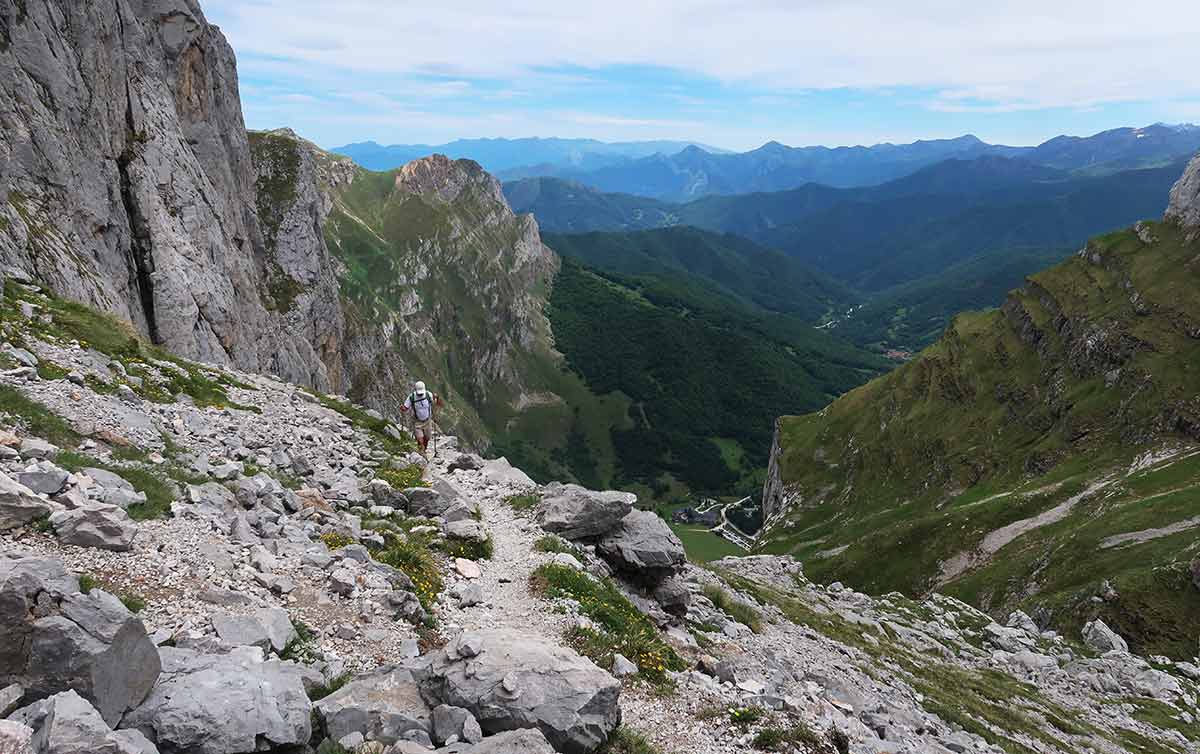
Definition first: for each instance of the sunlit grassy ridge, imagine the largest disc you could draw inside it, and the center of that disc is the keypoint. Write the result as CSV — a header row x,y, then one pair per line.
x,y
1014,413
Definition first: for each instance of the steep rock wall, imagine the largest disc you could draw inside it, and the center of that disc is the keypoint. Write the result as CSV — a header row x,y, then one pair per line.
x,y
130,184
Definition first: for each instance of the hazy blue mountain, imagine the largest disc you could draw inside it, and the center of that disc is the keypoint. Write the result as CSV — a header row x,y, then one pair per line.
x,y
540,156
694,172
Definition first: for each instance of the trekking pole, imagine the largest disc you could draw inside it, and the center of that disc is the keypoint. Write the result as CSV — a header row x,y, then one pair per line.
x,y
433,425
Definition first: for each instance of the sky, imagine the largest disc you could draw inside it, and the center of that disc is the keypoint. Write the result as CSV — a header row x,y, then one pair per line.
x,y
727,74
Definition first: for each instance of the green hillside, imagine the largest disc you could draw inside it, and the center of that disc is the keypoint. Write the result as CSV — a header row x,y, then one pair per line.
x,y
705,373
1010,464
737,267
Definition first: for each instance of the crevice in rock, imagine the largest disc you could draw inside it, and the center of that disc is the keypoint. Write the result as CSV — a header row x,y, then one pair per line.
x,y
141,246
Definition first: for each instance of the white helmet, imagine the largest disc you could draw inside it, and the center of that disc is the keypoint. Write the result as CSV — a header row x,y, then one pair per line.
x,y
419,387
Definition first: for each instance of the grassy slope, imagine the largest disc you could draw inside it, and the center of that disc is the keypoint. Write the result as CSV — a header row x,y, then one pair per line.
x,y
1008,416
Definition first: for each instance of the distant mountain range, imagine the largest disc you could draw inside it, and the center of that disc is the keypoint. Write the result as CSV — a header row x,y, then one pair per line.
x,y
953,235
684,171
517,157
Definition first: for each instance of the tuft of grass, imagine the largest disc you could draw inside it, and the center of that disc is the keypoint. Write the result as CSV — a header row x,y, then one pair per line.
x,y
784,739
414,558
50,371
37,418
324,690
626,741
43,525
155,482
523,503
336,540
739,611
623,628
329,746
555,544
744,717
134,603
409,476
459,547
377,428
87,582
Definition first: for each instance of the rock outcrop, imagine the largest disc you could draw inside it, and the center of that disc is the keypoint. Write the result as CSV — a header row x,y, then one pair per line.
x,y
67,724
573,512
1184,207
53,638
510,682
224,704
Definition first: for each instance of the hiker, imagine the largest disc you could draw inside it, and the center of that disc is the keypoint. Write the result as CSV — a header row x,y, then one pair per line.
x,y
422,402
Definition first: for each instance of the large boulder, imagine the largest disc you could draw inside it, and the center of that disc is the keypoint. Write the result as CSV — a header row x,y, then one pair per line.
x,y
573,512
500,472
528,741
1098,636
382,707
19,505
53,638
105,527
224,704
67,724
427,502
509,682
269,628
644,547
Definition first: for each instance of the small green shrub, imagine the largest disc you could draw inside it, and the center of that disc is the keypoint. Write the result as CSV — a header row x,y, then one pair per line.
x,y
785,739
414,558
746,716
401,479
336,540
624,628
324,690
329,746
625,741
87,582
134,603
43,525
460,547
739,611
522,503
48,370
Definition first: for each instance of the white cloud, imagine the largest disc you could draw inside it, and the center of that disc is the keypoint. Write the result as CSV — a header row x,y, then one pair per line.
x,y
1050,53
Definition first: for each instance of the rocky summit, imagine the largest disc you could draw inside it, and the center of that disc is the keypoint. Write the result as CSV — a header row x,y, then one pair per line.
x,y
204,560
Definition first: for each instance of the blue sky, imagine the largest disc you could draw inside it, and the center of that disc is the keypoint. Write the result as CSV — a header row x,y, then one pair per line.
x,y
730,74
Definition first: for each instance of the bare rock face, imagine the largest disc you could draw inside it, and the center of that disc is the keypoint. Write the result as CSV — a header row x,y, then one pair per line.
x,y
1184,206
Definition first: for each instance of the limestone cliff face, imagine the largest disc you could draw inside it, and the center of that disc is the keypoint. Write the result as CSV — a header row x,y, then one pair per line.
x,y
1184,207
130,184
125,169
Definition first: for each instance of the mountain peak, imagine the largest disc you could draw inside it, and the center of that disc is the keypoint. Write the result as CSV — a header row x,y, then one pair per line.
x,y
439,176
1185,197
